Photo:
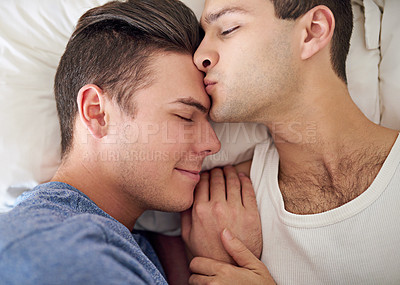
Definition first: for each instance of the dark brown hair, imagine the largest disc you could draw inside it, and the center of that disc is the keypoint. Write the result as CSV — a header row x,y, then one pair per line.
x,y
342,11
112,47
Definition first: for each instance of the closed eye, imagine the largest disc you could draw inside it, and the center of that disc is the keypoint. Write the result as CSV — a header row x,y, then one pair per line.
x,y
228,31
185,119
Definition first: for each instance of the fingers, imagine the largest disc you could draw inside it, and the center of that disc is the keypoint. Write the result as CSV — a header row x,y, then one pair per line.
x,y
207,269
202,191
196,279
217,185
225,185
248,195
186,224
203,266
232,186
239,252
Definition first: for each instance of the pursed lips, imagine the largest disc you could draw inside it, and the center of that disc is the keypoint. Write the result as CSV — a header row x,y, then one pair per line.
x,y
208,82
209,85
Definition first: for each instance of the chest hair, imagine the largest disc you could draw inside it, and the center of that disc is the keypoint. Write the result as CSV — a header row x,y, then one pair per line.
x,y
319,190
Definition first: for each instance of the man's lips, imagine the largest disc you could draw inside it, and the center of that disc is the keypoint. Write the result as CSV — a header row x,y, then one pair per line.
x,y
209,82
193,174
209,85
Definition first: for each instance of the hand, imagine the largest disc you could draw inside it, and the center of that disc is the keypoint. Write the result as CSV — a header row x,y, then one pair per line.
x,y
219,205
250,271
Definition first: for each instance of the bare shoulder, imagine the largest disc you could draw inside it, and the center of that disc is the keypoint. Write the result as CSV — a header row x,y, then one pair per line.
x,y
244,167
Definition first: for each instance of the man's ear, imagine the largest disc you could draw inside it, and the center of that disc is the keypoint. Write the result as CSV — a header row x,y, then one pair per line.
x,y
318,25
91,107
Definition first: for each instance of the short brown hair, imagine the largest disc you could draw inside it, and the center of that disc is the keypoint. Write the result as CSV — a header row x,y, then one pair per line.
x,y
342,11
112,47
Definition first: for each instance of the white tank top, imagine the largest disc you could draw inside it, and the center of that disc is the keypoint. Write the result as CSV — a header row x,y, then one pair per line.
x,y
357,243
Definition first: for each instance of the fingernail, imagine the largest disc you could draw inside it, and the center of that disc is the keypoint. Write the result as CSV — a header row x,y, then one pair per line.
x,y
241,174
227,234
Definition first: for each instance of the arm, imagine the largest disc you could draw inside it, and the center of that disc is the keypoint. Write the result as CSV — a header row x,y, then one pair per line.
x,y
223,199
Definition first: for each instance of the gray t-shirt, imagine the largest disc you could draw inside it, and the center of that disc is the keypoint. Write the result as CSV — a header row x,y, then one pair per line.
x,y
57,235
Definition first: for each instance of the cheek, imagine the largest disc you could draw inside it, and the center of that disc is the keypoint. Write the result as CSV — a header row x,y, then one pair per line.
x,y
179,137
170,134
164,148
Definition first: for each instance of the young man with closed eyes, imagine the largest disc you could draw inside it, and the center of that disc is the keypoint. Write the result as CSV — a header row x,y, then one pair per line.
x,y
134,123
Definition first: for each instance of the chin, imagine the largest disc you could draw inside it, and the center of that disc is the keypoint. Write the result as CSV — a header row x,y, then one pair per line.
x,y
178,205
175,208
184,205
216,116
225,112
222,117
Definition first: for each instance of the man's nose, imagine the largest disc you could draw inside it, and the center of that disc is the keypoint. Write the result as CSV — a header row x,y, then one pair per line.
x,y
208,142
206,57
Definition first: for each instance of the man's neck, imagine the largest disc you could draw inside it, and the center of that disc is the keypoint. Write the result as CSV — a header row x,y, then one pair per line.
x,y
329,154
94,183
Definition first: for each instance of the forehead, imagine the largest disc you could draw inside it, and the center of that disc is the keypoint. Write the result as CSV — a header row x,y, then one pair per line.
x,y
214,9
174,77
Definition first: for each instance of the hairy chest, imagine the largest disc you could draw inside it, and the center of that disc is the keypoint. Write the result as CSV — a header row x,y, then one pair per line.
x,y
310,193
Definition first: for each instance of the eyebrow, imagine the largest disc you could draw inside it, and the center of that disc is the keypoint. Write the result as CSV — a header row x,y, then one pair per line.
x,y
192,103
212,17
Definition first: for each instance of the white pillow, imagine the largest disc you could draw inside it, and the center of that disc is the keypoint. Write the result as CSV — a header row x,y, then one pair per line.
x,y
390,65
363,66
33,36
373,64
32,39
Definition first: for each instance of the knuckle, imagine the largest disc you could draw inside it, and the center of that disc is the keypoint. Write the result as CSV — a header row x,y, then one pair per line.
x,y
253,219
194,264
233,181
201,210
218,181
217,172
219,209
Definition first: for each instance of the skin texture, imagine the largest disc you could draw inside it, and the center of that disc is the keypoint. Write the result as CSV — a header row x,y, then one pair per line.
x,y
276,72
150,160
